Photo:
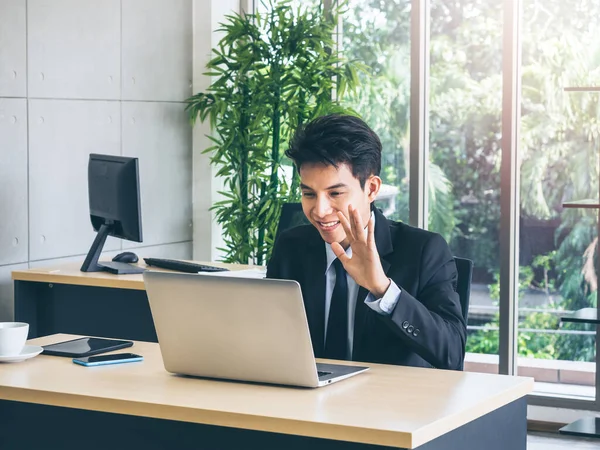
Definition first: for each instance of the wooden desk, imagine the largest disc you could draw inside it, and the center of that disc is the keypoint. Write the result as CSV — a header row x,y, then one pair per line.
x,y
49,402
62,299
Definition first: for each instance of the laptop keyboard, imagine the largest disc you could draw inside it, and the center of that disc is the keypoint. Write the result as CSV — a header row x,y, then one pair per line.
x,y
322,374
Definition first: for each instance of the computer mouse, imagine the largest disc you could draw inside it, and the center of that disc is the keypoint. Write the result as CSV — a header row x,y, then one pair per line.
x,y
126,257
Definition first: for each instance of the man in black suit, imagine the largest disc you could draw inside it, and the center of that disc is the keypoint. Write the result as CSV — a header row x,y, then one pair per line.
x,y
381,293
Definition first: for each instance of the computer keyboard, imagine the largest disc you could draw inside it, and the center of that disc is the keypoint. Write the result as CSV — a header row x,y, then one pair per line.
x,y
322,374
182,266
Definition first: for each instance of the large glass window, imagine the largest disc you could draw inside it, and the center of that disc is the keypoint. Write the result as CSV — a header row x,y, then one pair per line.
x,y
377,33
465,124
559,150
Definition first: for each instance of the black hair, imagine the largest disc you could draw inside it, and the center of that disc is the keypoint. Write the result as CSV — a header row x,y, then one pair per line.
x,y
338,139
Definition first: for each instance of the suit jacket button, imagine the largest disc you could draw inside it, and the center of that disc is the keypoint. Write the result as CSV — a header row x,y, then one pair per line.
x,y
405,324
410,329
416,332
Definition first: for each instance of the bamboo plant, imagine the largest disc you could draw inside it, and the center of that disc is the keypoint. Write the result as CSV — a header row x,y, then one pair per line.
x,y
271,73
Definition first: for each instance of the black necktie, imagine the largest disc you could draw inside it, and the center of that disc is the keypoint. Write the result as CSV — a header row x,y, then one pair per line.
x,y
336,343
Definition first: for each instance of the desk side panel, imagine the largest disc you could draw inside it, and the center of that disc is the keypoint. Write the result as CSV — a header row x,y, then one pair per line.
x,y
26,304
502,429
84,310
70,429
67,428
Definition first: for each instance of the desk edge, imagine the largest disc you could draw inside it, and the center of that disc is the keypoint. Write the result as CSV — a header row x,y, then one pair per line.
x,y
40,277
211,417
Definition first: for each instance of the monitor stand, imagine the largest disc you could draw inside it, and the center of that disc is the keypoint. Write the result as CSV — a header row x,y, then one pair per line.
x,y
91,264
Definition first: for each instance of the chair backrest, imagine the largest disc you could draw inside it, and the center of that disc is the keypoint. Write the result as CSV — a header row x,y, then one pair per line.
x,y
464,267
291,216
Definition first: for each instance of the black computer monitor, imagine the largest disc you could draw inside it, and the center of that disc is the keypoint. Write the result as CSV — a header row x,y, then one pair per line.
x,y
114,193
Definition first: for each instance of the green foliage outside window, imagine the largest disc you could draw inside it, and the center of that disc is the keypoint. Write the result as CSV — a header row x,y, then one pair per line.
x,y
559,139
532,344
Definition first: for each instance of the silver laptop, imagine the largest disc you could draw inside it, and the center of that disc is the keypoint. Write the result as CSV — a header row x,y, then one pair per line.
x,y
237,329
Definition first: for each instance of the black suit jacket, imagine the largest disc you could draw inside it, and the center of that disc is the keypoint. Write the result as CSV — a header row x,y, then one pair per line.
x,y
425,329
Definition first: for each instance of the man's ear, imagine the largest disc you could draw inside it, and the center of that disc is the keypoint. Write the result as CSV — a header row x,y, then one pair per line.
x,y
372,185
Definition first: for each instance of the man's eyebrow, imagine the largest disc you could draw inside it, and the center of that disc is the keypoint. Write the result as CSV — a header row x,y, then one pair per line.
x,y
335,186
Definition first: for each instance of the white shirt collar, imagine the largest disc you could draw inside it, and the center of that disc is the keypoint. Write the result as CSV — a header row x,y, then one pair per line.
x,y
329,251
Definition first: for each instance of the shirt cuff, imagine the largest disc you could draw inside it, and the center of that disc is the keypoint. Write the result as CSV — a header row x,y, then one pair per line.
x,y
386,304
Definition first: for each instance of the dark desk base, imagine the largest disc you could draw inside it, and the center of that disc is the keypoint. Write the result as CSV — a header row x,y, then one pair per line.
x,y
30,426
84,310
586,427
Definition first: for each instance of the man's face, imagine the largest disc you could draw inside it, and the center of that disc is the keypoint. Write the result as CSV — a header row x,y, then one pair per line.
x,y
327,190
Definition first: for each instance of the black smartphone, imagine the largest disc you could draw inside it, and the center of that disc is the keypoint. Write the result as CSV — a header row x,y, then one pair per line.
x,y
102,360
87,346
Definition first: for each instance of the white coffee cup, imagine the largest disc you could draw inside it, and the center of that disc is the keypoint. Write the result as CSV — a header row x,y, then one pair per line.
x,y
13,336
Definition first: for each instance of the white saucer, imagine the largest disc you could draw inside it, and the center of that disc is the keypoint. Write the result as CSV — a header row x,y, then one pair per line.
x,y
29,351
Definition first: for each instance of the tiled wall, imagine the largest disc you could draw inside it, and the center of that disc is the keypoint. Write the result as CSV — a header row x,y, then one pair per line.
x,y
101,76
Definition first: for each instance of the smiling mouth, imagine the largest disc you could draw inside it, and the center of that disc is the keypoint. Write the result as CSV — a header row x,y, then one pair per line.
x,y
328,225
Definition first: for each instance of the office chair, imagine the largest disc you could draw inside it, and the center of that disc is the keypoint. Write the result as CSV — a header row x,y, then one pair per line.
x,y
462,287
292,216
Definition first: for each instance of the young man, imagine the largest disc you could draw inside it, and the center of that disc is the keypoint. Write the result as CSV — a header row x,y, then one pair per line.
x,y
374,290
